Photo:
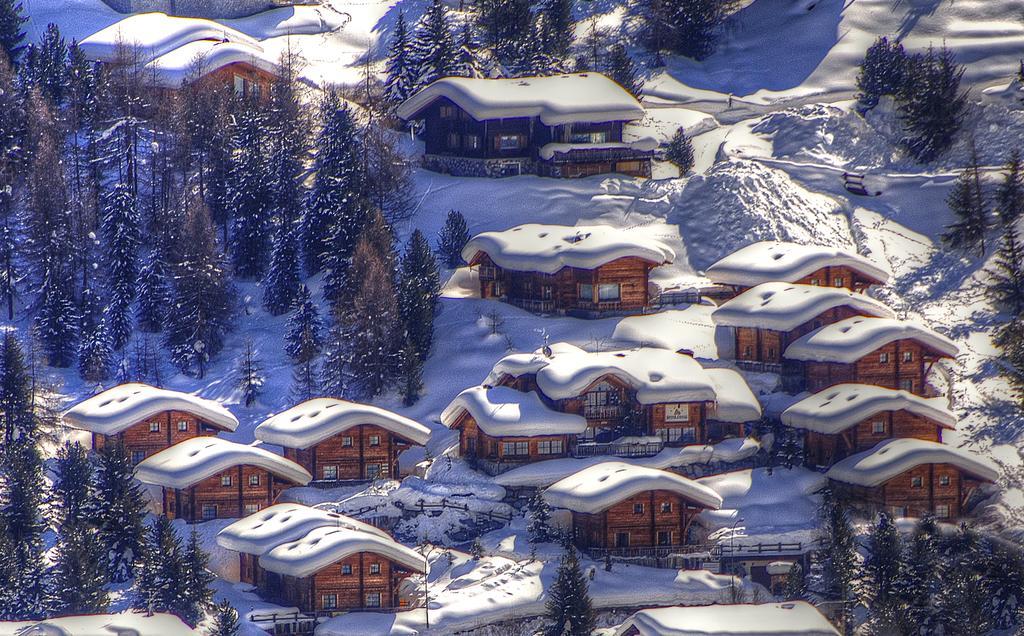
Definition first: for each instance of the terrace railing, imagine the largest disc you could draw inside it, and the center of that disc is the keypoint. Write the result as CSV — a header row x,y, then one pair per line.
x,y
596,449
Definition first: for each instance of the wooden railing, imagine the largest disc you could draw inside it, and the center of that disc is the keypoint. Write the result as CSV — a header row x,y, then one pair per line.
x,y
609,305
422,507
657,552
487,272
759,367
594,449
533,305
602,411
728,549
668,298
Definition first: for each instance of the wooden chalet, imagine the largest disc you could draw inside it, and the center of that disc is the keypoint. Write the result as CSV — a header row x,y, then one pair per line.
x,y
792,618
586,271
767,318
146,419
212,478
558,126
336,440
172,51
629,510
322,563
877,351
911,477
780,261
849,418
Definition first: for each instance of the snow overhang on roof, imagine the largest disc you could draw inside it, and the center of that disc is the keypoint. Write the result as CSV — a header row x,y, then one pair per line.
x,y
893,457
125,405
556,100
735,401
785,306
549,248
850,340
603,485
325,546
151,35
505,412
282,523
200,58
768,261
313,421
193,460
837,408
794,618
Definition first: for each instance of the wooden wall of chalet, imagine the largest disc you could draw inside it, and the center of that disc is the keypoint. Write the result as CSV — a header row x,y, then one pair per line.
x,y
475,444
825,450
560,292
829,276
902,364
602,530
768,345
233,500
141,442
915,492
348,588
352,453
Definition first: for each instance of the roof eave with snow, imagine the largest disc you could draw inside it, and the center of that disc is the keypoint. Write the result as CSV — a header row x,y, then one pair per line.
x,y
193,460
847,341
891,458
323,547
314,421
767,261
786,306
601,486
126,405
837,408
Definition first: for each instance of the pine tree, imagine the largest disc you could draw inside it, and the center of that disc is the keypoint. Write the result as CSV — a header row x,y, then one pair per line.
x,y
569,610
452,238
120,508
21,501
94,351
838,553
468,62
962,600
195,593
796,584
400,68
121,238
932,107
411,375
558,26
159,581
154,294
202,295
73,487
883,568
46,65
1004,584
1007,286
284,272
688,27
12,34
883,71
921,578
12,123
16,402
78,578
303,335
622,70
1010,194
434,46
250,374
419,287
337,185
249,194
680,151
968,204
539,524
225,620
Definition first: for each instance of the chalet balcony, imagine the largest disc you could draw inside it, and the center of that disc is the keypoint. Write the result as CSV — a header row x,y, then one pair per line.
x,y
487,272
760,367
655,552
639,449
603,411
604,306
533,305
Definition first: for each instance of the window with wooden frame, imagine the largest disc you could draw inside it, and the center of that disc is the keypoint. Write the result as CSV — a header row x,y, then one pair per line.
x,y
664,537
154,427
375,568
878,427
254,479
916,481
225,480
182,425
638,509
550,447
515,448
446,111
453,140
883,358
329,473
509,142
908,356
375,440
346,440
346,569
329,601
608,292
942,511
944,480
209,511
839,281
373,599
666,507
586,291
252,508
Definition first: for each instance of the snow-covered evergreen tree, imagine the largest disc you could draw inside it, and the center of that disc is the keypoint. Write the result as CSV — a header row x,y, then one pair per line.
x,y
78,577
195,593
1007,286
434,49
121,237
337,182
883,71
558,26
411,375
400,68
680,151
250,374
250,195
46,66
73,487
303,344
539,523
158,584
154,294
969,206
352,220
418,289
120,509
569,610
921,578
932,107
95,355
1009,200
468,63
21,503
963,603
12,121
883,568
1004,584
838,553
452,238
622,70
12,34
687,27
17,415
225,620
202,296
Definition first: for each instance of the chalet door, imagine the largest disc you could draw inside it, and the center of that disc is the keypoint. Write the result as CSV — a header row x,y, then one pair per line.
x,y
621,539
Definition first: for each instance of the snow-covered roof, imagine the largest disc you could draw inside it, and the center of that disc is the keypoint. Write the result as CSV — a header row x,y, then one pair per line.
x,y
324,546
313,421
794,618
736,402
839,407
174,68
644,144
535,247
156,34
892,457
129,623
282,523
125,405
556,100
850,340
504,412
657,375
784,306
603,485
768,261
193,460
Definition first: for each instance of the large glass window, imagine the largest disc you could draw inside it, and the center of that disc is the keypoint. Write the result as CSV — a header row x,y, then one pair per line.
x,y
586,291
608,292
330,473
509,142
549,447
515,448
594,137
373,599
209,511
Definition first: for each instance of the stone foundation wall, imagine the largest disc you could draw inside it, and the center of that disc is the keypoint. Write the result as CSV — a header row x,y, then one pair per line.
x,y
201,8
469,167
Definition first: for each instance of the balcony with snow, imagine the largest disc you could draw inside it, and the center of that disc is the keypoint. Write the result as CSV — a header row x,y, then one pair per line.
x,y
584,271
558,126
